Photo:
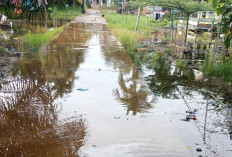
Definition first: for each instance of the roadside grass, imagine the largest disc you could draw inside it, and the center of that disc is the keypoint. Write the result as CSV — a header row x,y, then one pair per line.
x,y
127,21
60,13
123,27
222,69
38,39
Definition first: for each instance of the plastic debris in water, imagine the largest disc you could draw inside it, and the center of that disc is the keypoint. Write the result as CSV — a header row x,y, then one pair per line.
x,y
81,89
188,147
191,116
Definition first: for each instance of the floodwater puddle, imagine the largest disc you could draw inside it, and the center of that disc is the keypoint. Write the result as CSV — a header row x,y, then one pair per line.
x,y
81,95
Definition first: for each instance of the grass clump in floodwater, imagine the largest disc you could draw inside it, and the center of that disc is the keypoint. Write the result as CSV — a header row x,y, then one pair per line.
x,y
221,69
123,27
180,63
38,39
129,42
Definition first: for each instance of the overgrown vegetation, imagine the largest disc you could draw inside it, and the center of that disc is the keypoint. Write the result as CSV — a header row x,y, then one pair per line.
x,y
222,68
119,21
123,27
66,13
2,51
37,39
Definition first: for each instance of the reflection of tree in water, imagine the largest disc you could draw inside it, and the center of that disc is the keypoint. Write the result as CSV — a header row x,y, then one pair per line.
x,y
174,82
168,81
134,96
213,113
28,115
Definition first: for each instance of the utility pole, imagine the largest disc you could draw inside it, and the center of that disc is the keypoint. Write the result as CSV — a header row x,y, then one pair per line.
x,y
212,26
137,22
172,26
101,4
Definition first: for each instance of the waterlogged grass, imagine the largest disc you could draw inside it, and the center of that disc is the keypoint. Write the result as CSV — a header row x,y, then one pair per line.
x,y
123,27
221,70
180,63
60,14
38,39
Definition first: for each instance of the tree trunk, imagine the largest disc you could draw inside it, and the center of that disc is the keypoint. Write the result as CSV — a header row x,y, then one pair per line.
x,y
46,17
137,22
73,4
186,33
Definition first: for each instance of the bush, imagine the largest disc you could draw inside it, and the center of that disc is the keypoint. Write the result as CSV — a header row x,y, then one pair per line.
x,y
2,50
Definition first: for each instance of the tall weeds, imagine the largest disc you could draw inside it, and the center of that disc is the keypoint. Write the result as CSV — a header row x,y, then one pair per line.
x,y
38,39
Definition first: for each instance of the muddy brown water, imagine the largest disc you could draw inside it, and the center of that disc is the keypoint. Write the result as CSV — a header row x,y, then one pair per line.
x,y
81,95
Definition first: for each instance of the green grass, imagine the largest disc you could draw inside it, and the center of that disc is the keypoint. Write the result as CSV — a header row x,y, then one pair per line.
x,y
180,63
163,23
128,22
123,28
38,39
71,14
221,70
2,50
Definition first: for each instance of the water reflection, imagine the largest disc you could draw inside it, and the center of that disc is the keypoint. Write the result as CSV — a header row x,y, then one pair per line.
x,y
29,121
133,95
206,97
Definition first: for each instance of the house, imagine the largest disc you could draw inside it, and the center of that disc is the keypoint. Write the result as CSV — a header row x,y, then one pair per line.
x,y
203,20
156,11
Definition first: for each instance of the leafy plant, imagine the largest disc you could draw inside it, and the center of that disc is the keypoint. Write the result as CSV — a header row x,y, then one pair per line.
x,y
224,8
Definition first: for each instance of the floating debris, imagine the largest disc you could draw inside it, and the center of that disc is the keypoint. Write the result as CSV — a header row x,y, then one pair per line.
x,y
188,147
199,149
81,89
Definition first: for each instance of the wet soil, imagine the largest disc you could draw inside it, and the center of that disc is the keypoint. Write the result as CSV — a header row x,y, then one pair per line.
x,y
82,95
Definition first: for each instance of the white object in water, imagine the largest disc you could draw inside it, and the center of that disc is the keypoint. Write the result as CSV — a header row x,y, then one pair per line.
x,y
4,18
222,35
11,24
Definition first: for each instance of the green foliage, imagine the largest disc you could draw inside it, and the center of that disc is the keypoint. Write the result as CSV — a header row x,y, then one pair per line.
x,y
157,57
224,8
129,42
123,28
62,13
180,63
127,22
163,23
221,69
187,7
168,51
37,39
2,50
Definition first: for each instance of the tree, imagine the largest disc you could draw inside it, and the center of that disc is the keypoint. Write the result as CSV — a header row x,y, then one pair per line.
x,y
224,8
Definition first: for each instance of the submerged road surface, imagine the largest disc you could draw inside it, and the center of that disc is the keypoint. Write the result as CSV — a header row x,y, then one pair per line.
x,y
83,96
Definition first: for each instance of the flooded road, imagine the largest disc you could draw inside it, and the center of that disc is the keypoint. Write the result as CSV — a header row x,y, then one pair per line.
x,y
81,95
